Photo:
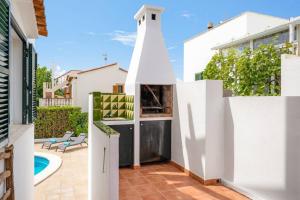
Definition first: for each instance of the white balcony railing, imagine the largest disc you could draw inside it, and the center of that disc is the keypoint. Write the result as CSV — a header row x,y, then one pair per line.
x,y
55,102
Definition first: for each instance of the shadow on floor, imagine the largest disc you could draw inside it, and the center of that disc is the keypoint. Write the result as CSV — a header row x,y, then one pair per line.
x,y
165,182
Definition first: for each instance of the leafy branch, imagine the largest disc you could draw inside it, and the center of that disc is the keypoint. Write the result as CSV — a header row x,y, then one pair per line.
x,y
250,72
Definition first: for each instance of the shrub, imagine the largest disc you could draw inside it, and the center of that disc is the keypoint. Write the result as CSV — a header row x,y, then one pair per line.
x,y
79,122
55,121
250,72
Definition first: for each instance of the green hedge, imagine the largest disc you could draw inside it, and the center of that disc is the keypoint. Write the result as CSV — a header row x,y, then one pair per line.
x,y
55,121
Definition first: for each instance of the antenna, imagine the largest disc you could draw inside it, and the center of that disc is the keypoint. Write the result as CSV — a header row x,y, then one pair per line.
x,y
105,58
53,67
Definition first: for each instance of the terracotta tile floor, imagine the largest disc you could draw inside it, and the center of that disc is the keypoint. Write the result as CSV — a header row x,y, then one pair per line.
x,y
165,182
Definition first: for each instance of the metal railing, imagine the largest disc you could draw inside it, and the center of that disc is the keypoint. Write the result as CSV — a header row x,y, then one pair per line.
x,y
55,102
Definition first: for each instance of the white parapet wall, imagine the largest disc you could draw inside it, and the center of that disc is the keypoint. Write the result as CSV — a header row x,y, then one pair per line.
x,y
22,138
261,140
197,128
251,143
290,75
103,162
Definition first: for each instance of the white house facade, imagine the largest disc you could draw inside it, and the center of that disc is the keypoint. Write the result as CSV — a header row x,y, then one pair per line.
x,y
246,30
21,22
107,79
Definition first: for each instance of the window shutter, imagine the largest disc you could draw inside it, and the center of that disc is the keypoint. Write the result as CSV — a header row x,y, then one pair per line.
x,y
25,85
115,88
32,65
4,69
34,105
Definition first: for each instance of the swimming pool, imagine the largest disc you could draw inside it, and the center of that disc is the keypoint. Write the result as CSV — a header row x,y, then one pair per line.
x,y
40,163
44,165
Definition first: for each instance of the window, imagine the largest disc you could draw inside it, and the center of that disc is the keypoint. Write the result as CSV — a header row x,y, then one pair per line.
x,y
153,16
16,78
23,77
139,22
118,88
143,17
276,39
239,48
199,76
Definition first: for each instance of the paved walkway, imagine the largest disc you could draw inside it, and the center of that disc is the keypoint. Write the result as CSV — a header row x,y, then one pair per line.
x,y
165,182
70,181
151,182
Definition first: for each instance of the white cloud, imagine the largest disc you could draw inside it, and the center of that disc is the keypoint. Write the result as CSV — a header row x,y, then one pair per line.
x,y
126,38
172,47
186,14
58,71
91,33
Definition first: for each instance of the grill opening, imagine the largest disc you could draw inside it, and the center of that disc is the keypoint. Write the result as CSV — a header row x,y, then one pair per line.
x,y
156,100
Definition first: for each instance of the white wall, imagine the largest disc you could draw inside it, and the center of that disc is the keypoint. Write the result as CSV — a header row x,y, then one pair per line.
x,y
101,80
265,22
290,75
251,143
22,138
197,128
103,170
23,12
197,51
262,139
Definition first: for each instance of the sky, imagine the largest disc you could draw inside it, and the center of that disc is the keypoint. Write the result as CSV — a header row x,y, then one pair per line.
x,y
81,32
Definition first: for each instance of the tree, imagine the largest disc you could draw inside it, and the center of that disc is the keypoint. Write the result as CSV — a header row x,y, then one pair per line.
x,y
59,92
43,74
213,68
250,72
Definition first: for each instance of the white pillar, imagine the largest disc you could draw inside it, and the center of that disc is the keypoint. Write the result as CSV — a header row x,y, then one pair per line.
x,y
90,152
298,40
292,33
137,126
251,45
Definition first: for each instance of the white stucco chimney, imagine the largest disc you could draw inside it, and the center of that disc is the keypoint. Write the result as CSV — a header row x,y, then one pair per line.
x,y
150,62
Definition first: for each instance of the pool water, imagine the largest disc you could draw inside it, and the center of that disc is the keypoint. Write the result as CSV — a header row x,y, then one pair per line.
x,y
40,163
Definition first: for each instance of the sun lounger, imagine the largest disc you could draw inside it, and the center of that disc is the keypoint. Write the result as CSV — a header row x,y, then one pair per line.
x,y
52,141
76,141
